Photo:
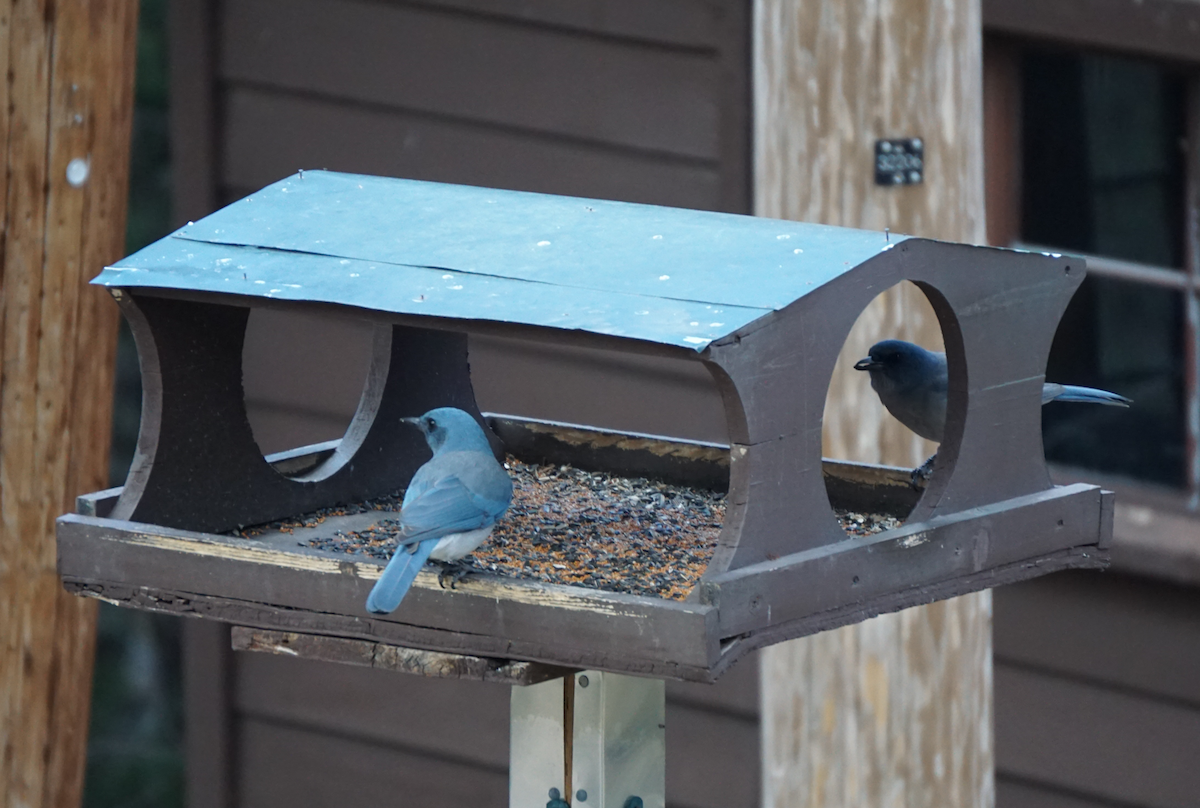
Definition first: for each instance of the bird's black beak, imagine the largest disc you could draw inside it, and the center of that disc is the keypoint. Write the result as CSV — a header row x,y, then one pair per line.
x,y
867,364
414,421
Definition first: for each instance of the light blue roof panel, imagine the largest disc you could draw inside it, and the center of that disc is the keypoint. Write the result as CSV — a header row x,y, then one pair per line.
x,y
669,275
194,265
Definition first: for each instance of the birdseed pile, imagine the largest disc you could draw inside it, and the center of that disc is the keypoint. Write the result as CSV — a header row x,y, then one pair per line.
x,y
575,527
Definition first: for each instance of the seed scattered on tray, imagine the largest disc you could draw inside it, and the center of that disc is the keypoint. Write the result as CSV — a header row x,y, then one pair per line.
x,y
575,527
570,526
865,524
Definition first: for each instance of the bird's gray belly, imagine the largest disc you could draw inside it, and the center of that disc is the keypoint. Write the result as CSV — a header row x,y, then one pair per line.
x,y
454,546
924,414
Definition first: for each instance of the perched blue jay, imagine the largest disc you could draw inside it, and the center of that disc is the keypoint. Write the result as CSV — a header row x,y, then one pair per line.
x,y
911,382
450,506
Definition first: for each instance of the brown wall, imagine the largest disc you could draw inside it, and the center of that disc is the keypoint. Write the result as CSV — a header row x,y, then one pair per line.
x,y
611,98
1097,676
320,734
1097,692
617,99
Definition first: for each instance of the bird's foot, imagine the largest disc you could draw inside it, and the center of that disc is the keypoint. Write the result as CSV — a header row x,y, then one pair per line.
x,y
452,571
920,475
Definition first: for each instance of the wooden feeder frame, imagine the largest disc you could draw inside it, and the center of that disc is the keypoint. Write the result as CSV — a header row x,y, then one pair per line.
x,y
783,567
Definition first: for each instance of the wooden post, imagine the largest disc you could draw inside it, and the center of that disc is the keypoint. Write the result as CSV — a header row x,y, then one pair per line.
x,y
898,710
65,119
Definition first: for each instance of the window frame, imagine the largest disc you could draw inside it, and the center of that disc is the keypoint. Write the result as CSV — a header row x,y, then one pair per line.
x,y
1162,31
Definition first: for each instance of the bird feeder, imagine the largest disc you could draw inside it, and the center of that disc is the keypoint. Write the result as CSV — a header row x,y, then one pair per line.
x,y
764,305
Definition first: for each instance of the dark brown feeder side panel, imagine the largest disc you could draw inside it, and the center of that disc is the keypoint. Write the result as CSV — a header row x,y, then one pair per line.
x,y
197,466
998,312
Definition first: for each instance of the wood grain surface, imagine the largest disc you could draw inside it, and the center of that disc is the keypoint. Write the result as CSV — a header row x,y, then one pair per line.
x,y
395,658
69,96
897,710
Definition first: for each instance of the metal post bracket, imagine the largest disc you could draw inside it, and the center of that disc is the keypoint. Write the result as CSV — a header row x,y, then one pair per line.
x,y
610,727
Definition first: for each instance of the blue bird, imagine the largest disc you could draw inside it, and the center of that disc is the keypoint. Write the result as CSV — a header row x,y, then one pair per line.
x,y
911,382
451,504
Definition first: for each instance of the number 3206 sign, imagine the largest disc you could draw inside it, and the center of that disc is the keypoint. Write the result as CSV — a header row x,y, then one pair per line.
x,y
899,162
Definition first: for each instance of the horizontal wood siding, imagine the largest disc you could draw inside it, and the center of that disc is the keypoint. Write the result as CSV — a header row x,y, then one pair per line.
x,y
1097,741
463,721
270,135
605,98
1164,29
282,766
487,69
1095,707
549,100
283,357
712,758
1012,793
688,23
1097,693
285,352
306,725
1098,676
1116,631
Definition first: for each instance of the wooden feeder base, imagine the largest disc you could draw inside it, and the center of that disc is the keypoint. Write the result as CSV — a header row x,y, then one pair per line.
x,y
307,602
367,654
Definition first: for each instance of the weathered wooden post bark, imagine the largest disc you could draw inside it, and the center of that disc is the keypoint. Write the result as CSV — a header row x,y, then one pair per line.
x,y
895,711
65,118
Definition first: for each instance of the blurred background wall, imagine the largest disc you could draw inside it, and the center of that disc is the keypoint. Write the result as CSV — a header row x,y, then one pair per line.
x,y
1093,146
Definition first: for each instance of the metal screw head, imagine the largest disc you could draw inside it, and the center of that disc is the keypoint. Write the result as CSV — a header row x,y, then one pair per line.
x,y
583,682
581,795
555,794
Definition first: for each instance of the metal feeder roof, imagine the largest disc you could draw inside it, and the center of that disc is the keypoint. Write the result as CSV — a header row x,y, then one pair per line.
x,y
667,275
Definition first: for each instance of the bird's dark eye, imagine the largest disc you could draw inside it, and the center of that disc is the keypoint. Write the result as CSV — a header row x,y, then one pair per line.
x,y
432,424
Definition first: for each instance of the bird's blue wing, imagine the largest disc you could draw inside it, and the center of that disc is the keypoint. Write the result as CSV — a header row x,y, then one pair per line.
x,y
435,510
447,506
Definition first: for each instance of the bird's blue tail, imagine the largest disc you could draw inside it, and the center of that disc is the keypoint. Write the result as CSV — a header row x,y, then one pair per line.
x,y
398,576
1087,395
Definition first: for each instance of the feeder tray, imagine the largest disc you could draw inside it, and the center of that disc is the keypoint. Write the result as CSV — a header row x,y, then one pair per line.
x,y
765,305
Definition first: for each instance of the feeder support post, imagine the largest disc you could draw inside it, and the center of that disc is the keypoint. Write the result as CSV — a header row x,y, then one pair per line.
x,y
65,121
896,710
593,740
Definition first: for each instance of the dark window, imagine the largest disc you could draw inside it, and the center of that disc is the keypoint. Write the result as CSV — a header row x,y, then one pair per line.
x,y
1103,174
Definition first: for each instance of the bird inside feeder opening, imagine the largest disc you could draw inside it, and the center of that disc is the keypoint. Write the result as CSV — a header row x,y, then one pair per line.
x,y
857,427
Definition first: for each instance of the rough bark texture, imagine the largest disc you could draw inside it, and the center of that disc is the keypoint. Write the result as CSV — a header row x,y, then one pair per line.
x,y
68,96
897,710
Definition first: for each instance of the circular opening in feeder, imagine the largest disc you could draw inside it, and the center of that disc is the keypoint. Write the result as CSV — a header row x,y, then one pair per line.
x,y
303,377
885,411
